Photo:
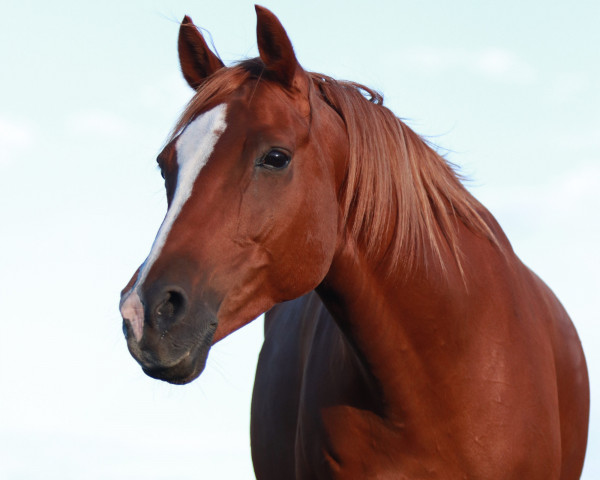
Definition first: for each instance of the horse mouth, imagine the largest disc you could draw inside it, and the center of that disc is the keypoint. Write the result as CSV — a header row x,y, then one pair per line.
x,y
183,372
187,368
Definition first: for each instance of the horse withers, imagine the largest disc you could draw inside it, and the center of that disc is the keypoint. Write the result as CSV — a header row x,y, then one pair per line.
x,y
404,339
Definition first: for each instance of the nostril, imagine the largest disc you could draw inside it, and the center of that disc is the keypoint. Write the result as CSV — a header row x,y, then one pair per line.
x,y
171,308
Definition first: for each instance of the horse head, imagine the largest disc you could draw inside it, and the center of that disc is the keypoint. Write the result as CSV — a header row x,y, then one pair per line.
x,y
252,173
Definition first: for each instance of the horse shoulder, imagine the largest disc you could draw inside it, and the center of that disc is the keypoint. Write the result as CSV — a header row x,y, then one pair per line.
x,y
572,382
553,391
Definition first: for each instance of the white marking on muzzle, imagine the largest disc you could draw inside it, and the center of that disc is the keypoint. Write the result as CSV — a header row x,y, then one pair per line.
x,y
194,147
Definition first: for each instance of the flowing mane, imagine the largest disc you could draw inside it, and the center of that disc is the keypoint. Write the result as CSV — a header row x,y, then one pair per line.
x,y
393,178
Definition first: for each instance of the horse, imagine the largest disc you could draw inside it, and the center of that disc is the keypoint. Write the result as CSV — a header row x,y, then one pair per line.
x,y
404,339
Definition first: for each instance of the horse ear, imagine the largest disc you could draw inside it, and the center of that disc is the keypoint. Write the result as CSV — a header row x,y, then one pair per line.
x,y
274,46
197,61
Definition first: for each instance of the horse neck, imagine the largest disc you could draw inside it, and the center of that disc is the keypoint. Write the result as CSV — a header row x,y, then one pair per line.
x,y
398,324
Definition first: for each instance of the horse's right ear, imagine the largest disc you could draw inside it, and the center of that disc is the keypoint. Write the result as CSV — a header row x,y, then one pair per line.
x,y
197,61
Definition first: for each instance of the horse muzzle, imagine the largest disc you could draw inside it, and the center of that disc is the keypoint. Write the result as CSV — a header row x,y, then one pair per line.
x,y
168,335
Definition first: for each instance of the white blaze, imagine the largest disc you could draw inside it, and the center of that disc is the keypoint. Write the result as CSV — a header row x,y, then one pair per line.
x,y
194,147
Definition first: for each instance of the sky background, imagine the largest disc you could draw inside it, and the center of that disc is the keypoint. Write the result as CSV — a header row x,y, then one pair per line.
x,y
88,93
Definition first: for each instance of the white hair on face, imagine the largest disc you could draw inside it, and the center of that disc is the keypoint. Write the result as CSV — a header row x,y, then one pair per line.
x,y
194,147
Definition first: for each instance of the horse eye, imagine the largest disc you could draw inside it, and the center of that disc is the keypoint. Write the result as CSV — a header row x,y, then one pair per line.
x,y
275,160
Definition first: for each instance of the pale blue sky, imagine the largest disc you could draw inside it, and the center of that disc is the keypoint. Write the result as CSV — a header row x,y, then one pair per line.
x,y
88,93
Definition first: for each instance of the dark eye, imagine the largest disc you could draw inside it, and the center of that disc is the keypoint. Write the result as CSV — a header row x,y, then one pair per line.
x,y
275,160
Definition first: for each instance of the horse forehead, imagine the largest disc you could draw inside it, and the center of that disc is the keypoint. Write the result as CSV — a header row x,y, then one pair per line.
x,y
197,140
268,103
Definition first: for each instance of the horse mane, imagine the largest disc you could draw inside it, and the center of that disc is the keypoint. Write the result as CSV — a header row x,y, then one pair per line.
x,y
394,178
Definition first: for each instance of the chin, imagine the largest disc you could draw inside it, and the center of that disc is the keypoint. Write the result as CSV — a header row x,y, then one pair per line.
x,y
187,370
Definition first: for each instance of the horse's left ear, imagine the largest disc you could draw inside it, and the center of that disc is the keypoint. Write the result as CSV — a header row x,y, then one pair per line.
x,y
275,48
197,61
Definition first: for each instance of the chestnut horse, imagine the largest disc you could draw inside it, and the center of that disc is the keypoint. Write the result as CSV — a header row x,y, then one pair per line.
x,y
404,339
